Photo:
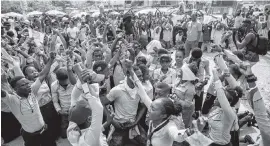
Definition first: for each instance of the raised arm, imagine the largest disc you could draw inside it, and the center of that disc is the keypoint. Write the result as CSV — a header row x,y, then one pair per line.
x,y
62,39
143,95
223,101
44,73
71,76
258,105
92,135
248,38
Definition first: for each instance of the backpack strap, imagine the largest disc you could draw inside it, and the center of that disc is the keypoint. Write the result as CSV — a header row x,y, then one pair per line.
x,y
150,134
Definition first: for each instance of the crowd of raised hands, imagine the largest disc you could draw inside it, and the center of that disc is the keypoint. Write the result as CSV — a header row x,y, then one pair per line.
x,y
103,82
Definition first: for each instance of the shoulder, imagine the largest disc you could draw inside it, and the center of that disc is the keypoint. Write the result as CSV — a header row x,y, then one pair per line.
x,y
54,85
204,60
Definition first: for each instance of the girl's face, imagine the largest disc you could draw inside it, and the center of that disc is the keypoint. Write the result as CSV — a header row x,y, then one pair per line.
x,y
165,64
179,56
156,111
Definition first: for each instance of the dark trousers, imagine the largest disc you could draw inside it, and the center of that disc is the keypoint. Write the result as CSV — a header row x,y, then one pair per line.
x,y
8,122
121,137
200,44
198,101
213,144
208,103
52,119
64,125
37,139
235,138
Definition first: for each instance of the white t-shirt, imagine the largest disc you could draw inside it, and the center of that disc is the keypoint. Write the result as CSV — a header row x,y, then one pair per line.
x,y
238,21
167,33
167,135
73,32
125,106
192,30
156,35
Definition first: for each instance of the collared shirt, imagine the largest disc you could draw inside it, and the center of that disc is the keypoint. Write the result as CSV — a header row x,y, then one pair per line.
x,y
43,95
118,74
26,110
171,76
62,96
125,106
220,126
167,134
185,92
192,30
203,67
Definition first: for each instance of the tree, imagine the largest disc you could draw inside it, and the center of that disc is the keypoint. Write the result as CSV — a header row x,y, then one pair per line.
x,y
62,4
11,6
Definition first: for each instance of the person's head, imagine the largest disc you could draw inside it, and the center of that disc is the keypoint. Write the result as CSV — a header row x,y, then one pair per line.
x,y
141,60
196,54
137,47
224,15
97,54
138,73
71,23
62,76
21,86
161,52
162,90
179,55
232,94
61,49
165,61
162,108
7,25
238,13
101,67
30,72
145,72
10,34
79,118
194,17
72,42
246,25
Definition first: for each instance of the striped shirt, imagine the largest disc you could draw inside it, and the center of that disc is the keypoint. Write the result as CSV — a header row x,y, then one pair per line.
x,y
26,110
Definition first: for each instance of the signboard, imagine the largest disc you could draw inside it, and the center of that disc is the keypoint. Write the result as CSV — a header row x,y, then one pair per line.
x,y
262,19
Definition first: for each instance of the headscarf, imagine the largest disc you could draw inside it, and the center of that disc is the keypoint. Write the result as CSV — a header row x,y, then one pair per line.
x,y
187,74
154,43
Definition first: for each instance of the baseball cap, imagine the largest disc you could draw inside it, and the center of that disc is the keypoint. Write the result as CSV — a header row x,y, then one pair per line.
x,y
165,57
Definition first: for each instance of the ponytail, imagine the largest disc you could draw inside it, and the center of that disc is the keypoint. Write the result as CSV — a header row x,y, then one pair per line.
x,y
171,107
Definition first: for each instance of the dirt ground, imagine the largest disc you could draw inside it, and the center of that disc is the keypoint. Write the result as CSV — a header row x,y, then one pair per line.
x,y
261,70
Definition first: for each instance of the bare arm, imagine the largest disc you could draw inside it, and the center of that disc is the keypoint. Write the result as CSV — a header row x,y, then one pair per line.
x,y
249,37
71,76
44,73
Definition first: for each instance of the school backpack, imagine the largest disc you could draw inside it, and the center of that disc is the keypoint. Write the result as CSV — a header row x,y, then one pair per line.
x,y
262,45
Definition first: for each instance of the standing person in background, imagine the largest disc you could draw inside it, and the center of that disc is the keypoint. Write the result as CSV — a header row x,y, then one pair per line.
x,y
73,31
167,33
224,20
194,30
238,19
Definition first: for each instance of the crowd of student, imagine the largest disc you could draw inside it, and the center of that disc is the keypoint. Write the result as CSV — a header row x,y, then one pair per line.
x,y
129,80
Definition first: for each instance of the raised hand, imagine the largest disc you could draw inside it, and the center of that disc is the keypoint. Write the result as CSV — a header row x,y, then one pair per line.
x,y
52,55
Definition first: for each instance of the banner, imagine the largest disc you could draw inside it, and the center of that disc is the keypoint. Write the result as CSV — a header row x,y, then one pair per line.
x,y
38,36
